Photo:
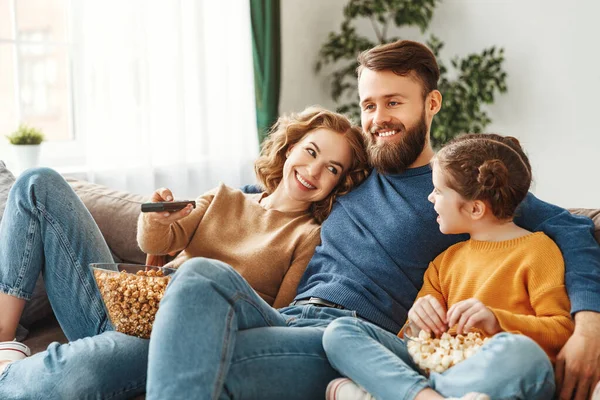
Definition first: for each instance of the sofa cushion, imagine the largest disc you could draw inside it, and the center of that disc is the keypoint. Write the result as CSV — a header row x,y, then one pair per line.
x,y
590,213
116,214
6,181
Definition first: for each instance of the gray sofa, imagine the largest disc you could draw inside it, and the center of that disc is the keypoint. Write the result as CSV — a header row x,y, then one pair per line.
x,y
116,214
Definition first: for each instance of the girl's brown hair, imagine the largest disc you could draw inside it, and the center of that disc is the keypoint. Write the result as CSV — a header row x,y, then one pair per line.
x,y
291,129
487,167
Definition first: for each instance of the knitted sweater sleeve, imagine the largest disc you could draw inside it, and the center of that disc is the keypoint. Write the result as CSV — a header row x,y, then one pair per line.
x,y
155,238
551,326
431,286
431,283
302,255
574,236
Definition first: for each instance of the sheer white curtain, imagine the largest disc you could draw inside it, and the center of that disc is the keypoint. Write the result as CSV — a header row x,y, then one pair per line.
x,y
164,93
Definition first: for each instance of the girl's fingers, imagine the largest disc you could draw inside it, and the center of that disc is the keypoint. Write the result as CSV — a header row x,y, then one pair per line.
x,y
415,319
468,313
439,310
425,317
432,314
474,320
456,311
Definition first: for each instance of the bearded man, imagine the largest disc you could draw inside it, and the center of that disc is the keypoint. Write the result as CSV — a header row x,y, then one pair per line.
x,y
376,245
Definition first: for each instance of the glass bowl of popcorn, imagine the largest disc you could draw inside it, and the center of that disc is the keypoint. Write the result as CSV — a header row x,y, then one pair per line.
x,y
131,294
432,354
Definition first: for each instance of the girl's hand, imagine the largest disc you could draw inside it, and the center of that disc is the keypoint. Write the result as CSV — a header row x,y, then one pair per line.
x,y
164,217
472,313
429,315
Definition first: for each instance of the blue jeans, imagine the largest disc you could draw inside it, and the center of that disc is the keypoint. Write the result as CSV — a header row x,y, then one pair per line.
x,y
215,338
47,229
508,366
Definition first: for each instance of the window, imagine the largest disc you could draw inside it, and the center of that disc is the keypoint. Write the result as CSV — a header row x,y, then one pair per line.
x,y
35,73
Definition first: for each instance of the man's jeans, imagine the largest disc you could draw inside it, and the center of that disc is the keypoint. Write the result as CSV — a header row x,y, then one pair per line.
x,y
47,229
507,367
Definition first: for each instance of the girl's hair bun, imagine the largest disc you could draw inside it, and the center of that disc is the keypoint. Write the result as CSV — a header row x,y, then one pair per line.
x,y
493,175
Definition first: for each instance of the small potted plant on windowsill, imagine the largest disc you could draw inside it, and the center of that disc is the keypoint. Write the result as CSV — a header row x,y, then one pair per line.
x,y
25,142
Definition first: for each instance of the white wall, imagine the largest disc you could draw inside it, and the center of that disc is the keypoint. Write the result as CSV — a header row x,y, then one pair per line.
x,y
552,59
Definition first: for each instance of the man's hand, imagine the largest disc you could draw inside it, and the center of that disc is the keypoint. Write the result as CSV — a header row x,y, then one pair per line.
x,y
429,315
472,313
578,363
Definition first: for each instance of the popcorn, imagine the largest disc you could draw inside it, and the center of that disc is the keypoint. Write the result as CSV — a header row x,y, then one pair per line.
x,y
132,300
433,354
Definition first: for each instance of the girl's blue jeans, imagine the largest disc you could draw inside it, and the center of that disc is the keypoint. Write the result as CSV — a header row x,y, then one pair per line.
x,y
508,366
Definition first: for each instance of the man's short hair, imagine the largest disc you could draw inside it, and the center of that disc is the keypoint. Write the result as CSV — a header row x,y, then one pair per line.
x,y
403,57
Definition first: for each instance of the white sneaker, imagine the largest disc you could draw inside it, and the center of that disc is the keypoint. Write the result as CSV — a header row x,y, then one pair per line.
x,y
472,396
596,395
13,351
345,389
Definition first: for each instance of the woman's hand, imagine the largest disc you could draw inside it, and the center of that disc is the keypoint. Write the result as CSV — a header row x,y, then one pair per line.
x,y
429,315
472,313
164,217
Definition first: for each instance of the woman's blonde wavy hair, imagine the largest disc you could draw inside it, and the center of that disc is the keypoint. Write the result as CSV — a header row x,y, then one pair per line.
x,y
291,129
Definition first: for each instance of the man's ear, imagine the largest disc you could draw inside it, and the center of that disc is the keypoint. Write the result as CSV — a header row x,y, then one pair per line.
x,y
477,209
434,102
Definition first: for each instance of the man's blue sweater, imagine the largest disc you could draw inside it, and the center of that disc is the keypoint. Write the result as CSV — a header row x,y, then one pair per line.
x,y
380,238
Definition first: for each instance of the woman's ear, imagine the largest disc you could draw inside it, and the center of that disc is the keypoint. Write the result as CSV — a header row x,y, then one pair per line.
x,y
289,150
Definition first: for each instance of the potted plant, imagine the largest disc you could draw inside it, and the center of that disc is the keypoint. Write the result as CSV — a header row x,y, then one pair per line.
x,y
25,142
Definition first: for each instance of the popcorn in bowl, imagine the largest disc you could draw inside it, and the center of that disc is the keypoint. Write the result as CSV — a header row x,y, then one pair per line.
x,y
439,354
131,295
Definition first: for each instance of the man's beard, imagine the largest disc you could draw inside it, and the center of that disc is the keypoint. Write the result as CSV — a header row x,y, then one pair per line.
x,y
389,157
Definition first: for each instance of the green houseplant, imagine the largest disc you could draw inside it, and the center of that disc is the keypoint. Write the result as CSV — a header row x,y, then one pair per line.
x,y
25,142
26,135
472,81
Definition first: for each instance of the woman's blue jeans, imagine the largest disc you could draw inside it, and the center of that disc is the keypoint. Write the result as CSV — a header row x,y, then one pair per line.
x,y
507,367
47,229
213,338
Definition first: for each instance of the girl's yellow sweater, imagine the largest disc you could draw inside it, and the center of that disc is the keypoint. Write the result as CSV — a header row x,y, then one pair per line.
x,y
520,280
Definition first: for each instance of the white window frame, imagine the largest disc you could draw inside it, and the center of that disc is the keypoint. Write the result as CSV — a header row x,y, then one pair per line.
x,y
59,153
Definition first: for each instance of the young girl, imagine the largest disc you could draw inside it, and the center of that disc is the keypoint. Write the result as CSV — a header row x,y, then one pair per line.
x,y
309,159
506,282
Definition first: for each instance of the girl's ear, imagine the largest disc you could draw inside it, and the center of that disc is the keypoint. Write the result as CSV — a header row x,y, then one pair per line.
x,y
478,209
